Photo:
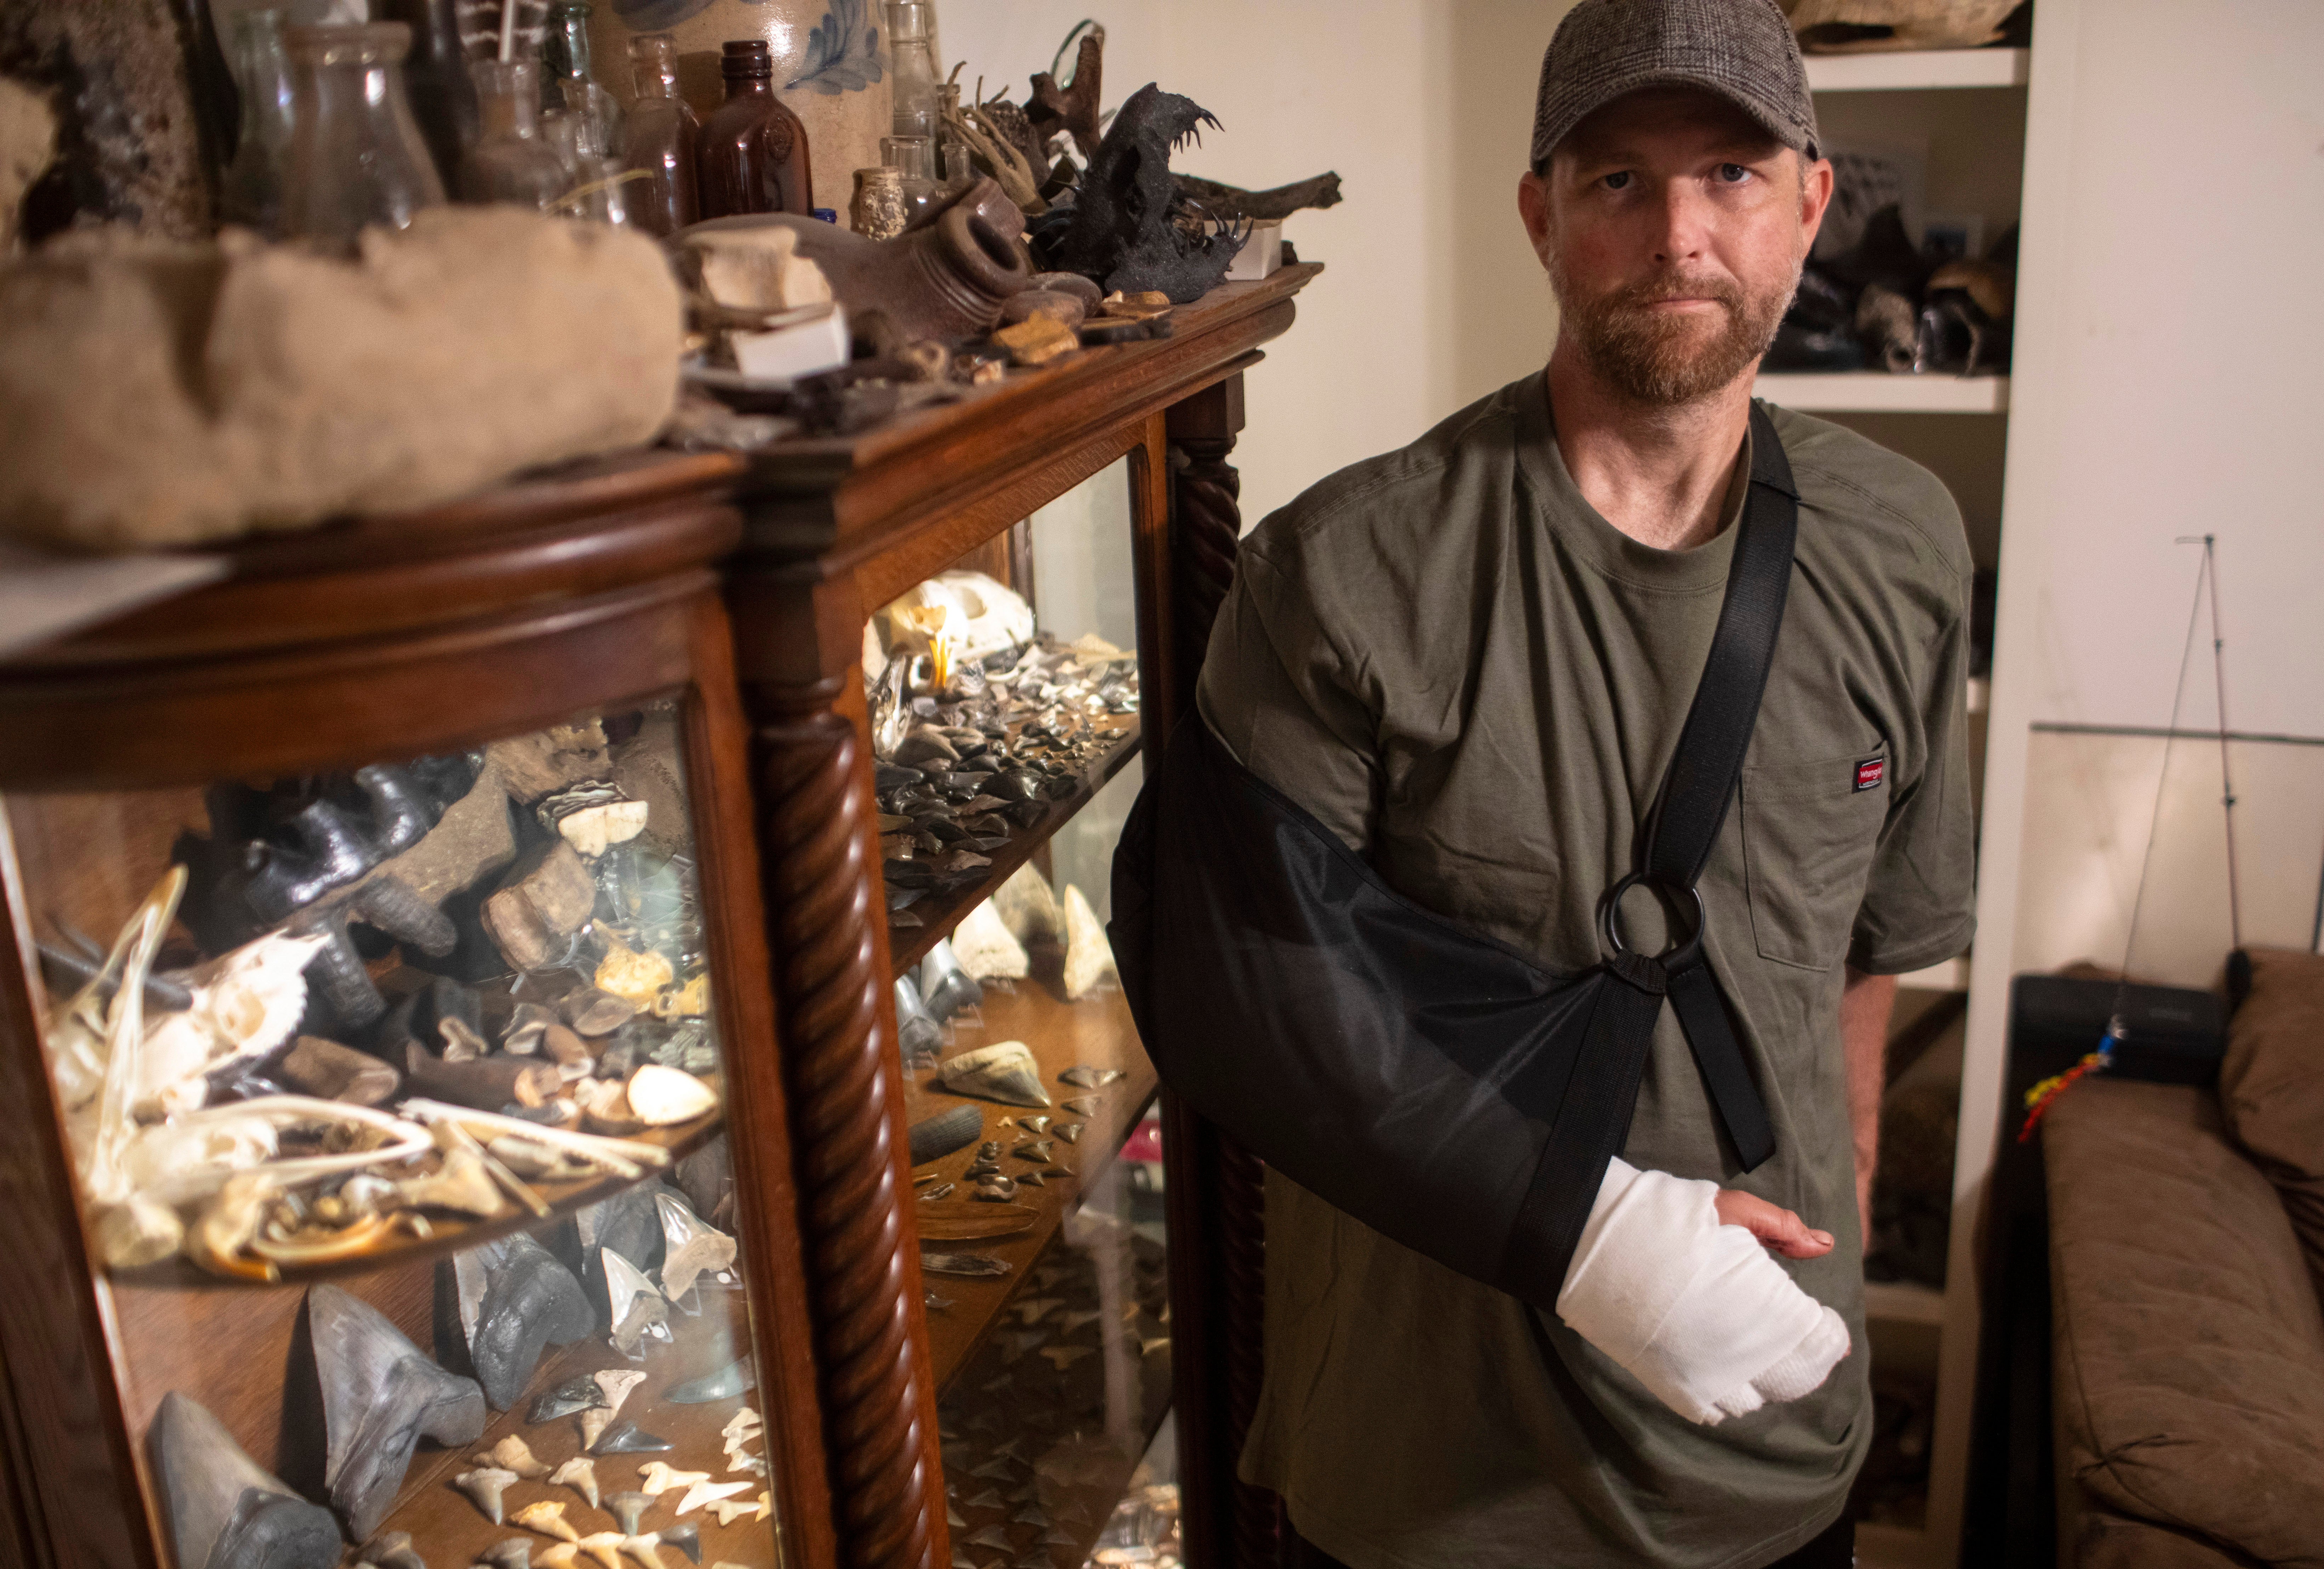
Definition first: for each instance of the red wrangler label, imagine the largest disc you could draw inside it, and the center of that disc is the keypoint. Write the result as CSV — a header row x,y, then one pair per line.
x,y
1870,772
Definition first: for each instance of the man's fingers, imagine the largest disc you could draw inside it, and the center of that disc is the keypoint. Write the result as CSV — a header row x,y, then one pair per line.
x,y
1774,1226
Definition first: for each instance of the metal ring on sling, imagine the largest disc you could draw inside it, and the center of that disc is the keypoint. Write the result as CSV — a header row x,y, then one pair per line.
x,y
1678,955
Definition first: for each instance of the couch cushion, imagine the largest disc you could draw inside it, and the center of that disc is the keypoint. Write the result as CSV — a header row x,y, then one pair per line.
x,y
2272,1086
2190,1347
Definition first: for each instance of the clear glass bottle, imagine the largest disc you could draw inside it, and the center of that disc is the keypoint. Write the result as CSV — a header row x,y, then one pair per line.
x,y
356,156
250,191
953,170
909,157
911,41
878,211
661,137
595,186
511,161
567,88
436,79
754,154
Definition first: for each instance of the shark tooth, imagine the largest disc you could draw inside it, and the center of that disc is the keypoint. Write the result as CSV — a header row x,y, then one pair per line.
x,y
1036,1151
486,1488
1037,1126
223,1509
991,1536
617,1384
1006,1071
703,1492
728,1511
1089,957
990,1499
560,1555
516,1300
987,949
945,986
646,1550
628,1506
391,1550
722,1384
742,1424
628,1438
664,1096
690,1246
685,1536
513,1454
592,1426
1071,1132
581,1394
605,1546
1065,1356
580,1474
1033,1309
549,1519
380,1396
1084,1076
660,1477
638,1309
1085,1105
516,1552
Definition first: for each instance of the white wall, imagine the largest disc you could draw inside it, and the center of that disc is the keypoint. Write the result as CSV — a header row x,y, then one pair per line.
x,y
1432,297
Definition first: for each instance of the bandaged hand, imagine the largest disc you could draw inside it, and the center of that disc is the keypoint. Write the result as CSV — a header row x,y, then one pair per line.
x,y
1693,1308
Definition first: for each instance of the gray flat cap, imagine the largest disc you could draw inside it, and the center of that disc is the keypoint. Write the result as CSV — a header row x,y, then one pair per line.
x,y
1742,50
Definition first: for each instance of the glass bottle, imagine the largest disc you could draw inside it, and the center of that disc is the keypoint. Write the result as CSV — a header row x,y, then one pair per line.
x,y
953,169
661,135
436,79
356,156
878,211
911,42
595,186
754,155
566,85
512,162
909,157
250,191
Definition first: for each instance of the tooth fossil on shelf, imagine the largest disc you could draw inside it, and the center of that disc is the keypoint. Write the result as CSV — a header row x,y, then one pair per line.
x,y
617,1384
513,1454
1005,1071
685,1536
703,1492
223,1510
580,1474
660,1477
628,1438
391,1550
987,949
549,1519
594,1424
380,1396
516,1299
691,1247
637,1309
628,1506
604,1546
662,1096
516,1552
581,1394
1084,1076
487,1488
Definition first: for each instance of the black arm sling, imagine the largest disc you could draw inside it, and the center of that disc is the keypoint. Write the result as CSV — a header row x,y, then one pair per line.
x,y
1437,1085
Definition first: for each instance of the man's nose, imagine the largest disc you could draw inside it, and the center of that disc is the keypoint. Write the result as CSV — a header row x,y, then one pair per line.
x,y
1680,222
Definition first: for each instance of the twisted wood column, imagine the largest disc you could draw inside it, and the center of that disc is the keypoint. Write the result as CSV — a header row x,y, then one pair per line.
x,y
1226,1213
820,884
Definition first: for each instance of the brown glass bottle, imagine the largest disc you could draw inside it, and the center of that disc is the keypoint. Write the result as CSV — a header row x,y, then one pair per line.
x,y
753,149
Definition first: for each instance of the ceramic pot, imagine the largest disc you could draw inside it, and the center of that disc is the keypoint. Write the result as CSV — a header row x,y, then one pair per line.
x,y
947,278
830,68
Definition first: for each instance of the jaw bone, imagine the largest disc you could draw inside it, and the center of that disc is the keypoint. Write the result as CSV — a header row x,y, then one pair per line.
x,y
224,1510
380,1396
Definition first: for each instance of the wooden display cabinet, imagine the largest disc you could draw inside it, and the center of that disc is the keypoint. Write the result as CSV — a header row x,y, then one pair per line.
x,y
571,627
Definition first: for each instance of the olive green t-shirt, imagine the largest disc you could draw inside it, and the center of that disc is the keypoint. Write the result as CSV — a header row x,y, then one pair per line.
x,y
1457,665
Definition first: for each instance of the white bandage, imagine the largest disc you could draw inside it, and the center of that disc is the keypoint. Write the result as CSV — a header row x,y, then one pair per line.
x,y
1696,1311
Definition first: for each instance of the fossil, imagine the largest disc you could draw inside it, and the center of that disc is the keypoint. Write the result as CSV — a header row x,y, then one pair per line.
x,y
995,1190
1065,1356
628,1438
705,1492
986,949
549,1519
660,1477
1121,230
224,1511
1089,957
636,1309
380,1396
516,1300
685,1536
617,1384
516,1552
1085,1105
971,1265
1071,1132
591,1011
665,1096
1034,1125
1028,906
1031,1180
1036,1151
561,1554
941,1190
513,1454
691,1247
580,1474
594,1425
730,1510
720,1384
1084,1077
486,1488
604,1546
945,986
991,1536
628,1506
463,1187
1006,1071
919,1036
391,1550
581,1394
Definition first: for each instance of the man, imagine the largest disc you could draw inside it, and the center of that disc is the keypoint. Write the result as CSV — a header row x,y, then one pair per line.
x,y
1470,660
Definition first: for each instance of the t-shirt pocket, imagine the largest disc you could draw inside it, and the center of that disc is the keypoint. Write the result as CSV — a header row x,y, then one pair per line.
x,y
1809,833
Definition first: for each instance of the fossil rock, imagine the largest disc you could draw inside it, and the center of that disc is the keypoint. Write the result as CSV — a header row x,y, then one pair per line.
x,y
331,1071
154,394
1028,905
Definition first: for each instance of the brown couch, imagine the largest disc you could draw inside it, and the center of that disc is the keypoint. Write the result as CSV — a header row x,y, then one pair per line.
x,y
2187,1287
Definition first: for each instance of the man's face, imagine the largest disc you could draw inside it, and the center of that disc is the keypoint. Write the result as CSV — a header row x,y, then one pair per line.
x,y
1674,227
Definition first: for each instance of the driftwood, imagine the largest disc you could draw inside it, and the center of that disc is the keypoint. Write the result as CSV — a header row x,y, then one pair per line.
x,y
1228,201
1052,108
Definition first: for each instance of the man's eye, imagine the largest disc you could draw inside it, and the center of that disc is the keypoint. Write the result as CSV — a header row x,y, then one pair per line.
x,y
1733,174
1617,180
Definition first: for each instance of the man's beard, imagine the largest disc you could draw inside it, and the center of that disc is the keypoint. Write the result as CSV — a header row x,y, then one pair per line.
x,y
1664,360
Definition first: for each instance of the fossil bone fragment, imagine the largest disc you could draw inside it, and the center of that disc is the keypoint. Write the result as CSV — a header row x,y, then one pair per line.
x,y
1006,1071
972,1265
691,1247
380,1396
580,1474
463,1187
617,1384
660,1477
623,1158
223,1510
549,1519
513,1454
487,1488
662,1096
987,949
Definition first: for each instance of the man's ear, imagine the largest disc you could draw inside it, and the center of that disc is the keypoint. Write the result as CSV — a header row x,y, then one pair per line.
x,y
1815,200
1533,208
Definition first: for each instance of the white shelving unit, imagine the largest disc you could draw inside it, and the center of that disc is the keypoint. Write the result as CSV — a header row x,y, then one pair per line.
x,y
1922,68
1877,392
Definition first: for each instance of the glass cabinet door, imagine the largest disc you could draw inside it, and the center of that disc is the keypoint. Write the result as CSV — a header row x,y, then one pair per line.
x,y
396,1100
1004,700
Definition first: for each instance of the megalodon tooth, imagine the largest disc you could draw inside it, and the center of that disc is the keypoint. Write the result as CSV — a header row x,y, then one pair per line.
x,y
637,1308
1005,1071
516,1300
987,949
945,988
380,1396
628,1438
391,1550
1084,1076
617,1384
919,1036
722,1384
581,1394
224,1510
691,1246
630,1223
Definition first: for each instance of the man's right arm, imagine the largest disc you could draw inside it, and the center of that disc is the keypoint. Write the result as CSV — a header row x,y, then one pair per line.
x,y
1276,689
